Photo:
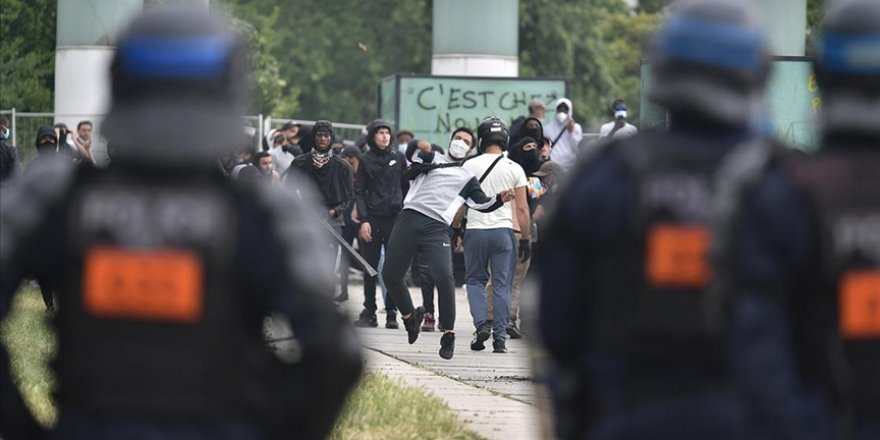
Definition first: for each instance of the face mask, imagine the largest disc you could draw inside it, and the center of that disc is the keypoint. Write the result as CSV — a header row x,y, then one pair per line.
x,y
620,114
402,148
534,133
561,117
48,147
458,149
4,134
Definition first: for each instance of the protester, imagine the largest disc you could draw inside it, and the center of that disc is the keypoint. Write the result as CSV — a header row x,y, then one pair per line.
x,y
625,254
525,154
619,127
83,140
403,138
379,191
264,164
798,254
8,153
330,174
441,185
518,126
167,269
489,240
565,134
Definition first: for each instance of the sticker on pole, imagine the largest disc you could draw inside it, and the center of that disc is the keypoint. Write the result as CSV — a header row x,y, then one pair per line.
x,y
860,305
676,257
152,285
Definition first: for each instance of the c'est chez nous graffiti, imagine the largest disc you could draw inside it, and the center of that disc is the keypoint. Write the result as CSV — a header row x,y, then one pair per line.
x,y
470,106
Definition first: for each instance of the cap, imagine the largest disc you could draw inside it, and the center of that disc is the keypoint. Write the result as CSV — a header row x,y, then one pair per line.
x,y
550,168
288,125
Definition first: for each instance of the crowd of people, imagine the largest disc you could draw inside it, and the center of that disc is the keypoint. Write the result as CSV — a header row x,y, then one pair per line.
x,y
700,282
369,189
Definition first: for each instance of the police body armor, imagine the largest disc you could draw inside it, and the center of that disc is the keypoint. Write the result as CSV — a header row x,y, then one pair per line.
x,y
844,191
650,295
147,324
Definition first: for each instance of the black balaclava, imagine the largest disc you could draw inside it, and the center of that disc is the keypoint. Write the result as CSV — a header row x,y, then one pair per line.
x,y
535,133
49,147
530,161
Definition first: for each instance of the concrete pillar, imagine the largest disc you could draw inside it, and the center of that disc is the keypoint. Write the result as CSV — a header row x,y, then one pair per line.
x,y
476,38
785,23
86,36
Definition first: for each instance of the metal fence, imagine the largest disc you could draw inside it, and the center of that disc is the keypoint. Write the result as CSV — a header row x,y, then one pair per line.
x,y
24,126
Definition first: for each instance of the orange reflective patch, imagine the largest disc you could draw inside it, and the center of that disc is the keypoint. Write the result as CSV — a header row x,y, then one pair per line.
x,y
859,303
154,285
676,257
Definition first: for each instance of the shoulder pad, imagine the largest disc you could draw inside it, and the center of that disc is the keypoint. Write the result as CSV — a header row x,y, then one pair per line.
x,y
27,201
293,216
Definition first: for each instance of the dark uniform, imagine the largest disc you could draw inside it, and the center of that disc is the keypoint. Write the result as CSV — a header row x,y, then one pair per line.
x,y
624,263
166,269
799,256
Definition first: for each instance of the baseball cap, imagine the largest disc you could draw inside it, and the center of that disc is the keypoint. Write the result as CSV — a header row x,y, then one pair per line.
x,y
550,168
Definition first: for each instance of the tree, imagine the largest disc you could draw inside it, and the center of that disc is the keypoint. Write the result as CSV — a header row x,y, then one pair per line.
x,y
598,44
27,54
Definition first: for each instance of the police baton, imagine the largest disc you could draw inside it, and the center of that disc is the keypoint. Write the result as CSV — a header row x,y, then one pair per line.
x,y
345,245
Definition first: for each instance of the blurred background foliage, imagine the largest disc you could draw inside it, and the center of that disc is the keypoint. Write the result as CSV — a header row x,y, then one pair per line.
x,y
324,59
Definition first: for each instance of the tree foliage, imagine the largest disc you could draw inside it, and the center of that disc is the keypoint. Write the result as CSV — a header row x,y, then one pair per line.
x,y
325,59
27,54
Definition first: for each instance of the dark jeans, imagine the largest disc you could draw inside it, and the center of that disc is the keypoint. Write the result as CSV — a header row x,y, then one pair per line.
x,y
417,233
421,276
372,252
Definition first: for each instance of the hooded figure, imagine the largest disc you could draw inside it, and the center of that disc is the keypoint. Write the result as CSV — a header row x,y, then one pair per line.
x,y
44,145
527,154
565,134
331,174
530,160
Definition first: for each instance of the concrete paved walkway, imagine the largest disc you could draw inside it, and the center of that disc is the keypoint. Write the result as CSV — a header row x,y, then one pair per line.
x,y
493,393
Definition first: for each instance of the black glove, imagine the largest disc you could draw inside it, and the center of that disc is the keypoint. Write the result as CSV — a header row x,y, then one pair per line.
x,y
525,249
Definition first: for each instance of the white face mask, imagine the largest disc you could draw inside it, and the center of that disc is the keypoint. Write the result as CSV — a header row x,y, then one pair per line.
x,y
402,148
458,149
620,114
561,117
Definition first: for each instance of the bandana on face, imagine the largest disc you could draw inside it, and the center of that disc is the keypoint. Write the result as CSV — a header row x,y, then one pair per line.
x,y
319,159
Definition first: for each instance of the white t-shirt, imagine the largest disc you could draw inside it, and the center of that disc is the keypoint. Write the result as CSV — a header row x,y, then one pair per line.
x,y
625,131
507,174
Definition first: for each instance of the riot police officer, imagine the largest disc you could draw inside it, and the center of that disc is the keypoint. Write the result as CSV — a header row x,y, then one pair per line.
x,y
799,255
625,262
168,269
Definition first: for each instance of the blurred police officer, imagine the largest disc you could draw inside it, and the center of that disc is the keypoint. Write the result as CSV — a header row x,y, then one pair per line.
x,y
167,269
799,255
624,264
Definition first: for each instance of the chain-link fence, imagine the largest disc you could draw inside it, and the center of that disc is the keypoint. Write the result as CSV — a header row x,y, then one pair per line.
x,y
24,126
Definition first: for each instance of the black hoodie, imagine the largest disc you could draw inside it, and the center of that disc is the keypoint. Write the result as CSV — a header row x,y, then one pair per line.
x,y
379,185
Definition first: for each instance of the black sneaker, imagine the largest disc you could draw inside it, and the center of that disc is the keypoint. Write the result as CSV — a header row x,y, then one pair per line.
x,y
391,320
367,319
498,346
414,324
447,345
342,297
480,336
513,331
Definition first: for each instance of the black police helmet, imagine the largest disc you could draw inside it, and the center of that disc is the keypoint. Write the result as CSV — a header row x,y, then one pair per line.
x,y
711,60
493,131
178,88
848,68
